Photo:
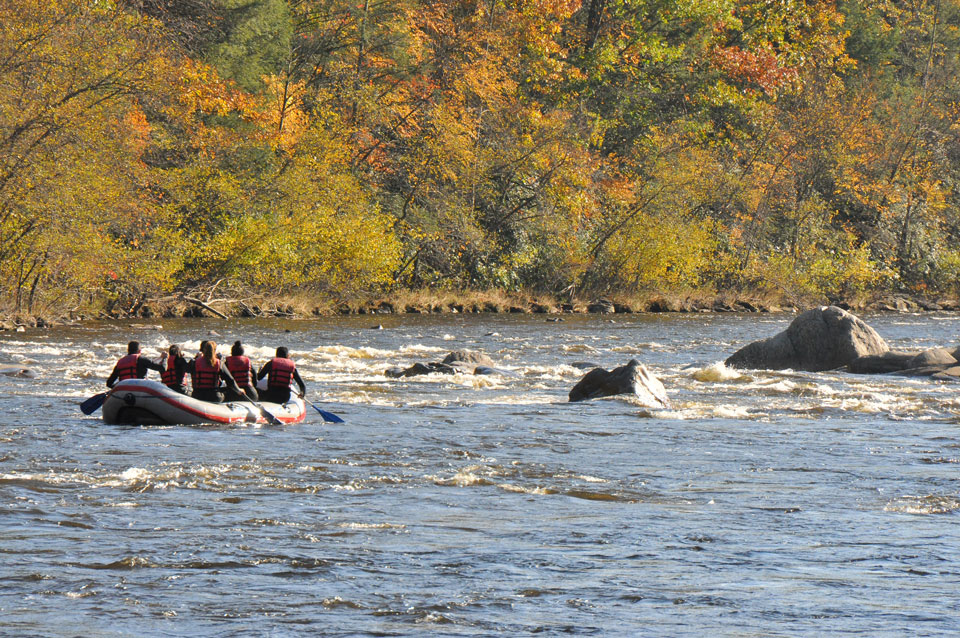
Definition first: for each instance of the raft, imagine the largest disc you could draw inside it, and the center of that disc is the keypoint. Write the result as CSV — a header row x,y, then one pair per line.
x,y
144,402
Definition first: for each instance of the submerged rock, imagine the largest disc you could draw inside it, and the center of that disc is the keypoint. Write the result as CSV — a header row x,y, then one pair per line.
x,y
488,370
820,339
632,378
924,371
17,373
930,362
418,369
468,357
933,357
950,374
890,361
585,365
463,361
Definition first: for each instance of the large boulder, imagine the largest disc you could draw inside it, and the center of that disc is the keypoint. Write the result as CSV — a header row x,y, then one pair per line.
x,y
633,378
823,338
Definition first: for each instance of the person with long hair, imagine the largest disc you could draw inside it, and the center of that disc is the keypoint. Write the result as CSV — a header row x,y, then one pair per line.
x,y
207,372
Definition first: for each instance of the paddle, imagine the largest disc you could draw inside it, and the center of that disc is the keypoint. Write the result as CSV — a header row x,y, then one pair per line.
x,y
93,404
327,416
271,419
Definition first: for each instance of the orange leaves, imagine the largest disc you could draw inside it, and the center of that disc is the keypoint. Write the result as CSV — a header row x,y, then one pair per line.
x,y
135,123
760,68
779,45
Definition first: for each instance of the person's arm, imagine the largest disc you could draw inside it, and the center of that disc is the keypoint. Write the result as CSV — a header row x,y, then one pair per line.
x,y
296,377
180,365
264,371
112,379
144,364
190,366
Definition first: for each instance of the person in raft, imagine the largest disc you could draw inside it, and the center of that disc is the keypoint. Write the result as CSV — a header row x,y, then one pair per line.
x,y
132,365
279,372
208,371
176,371
191,367
242,371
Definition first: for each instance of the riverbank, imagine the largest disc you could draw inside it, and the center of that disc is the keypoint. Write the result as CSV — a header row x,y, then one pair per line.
x,y
439,302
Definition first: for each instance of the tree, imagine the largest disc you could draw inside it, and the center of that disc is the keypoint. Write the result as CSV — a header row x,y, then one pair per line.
x,y
71,130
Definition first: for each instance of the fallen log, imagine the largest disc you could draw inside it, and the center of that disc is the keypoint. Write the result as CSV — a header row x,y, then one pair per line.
x,y
197,302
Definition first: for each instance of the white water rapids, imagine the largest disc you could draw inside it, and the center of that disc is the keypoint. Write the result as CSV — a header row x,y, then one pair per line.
x,y
761,503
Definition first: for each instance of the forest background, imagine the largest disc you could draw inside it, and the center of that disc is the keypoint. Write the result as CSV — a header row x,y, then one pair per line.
x,y
157,149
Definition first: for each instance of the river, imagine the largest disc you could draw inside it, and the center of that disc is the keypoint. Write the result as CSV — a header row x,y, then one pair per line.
x,y
760,504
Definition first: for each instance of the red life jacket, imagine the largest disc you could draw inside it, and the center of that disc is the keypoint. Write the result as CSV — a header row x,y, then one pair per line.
x,y
281,372
206,377
239,367
169,376
127,367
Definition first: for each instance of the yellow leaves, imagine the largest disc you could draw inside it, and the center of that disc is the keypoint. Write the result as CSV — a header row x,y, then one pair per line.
x,y
282,112
553,10
662,251
833,266
202,91
310,225
79,137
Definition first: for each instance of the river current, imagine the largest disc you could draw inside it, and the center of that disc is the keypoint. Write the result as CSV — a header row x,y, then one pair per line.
x,y
761,504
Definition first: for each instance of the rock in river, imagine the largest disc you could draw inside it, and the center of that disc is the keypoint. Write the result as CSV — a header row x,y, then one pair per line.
x,y
633,378
463,361
418,369
823,338
460,357
19,373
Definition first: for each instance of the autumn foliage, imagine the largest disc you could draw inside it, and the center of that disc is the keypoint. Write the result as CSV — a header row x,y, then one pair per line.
x,y
150,147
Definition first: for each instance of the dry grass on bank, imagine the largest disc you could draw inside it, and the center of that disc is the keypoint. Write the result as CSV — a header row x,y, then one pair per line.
x,y
312,304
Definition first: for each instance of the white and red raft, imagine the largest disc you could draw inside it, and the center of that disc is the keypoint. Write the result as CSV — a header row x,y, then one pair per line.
x,y
143,402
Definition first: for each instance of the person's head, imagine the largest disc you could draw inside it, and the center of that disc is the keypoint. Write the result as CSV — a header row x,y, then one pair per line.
x,y
174,351
133,347
237,349
209,351
283,353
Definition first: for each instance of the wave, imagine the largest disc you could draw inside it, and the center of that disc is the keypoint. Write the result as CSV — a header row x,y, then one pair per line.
x,y
930,504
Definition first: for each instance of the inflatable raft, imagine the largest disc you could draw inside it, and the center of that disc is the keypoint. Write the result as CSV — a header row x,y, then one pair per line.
x,y
143,402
